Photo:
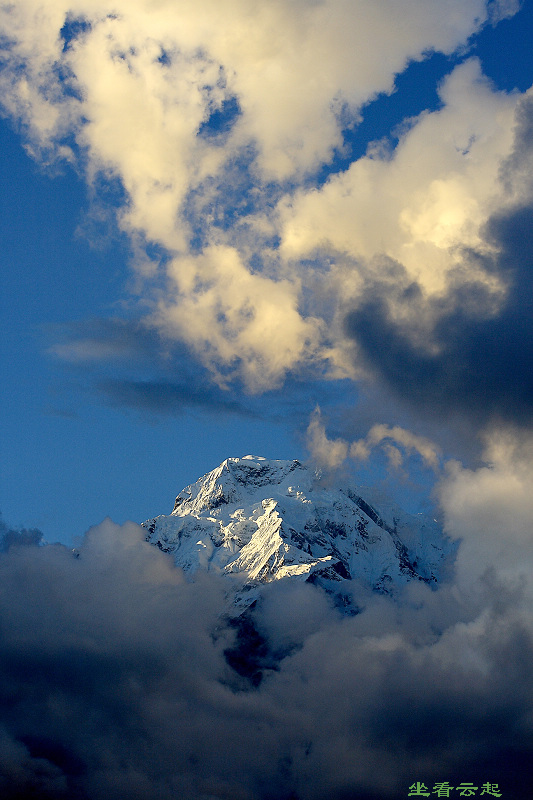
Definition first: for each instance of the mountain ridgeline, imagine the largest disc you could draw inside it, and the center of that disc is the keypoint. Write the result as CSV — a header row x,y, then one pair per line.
x,y
256,520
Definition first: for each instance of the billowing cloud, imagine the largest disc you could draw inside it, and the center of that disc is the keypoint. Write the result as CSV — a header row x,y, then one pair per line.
x,y
476,359
154,74
421,204
490,509
231,315
213,122
114,681
440,298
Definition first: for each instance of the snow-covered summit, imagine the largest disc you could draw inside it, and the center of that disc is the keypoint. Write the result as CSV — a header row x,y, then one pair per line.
x,y
231,482
257,520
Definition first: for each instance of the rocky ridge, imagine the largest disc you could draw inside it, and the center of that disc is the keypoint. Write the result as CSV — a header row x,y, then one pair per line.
x,y
257,520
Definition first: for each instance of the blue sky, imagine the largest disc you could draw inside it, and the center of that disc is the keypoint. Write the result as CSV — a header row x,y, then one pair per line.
x,y
211,227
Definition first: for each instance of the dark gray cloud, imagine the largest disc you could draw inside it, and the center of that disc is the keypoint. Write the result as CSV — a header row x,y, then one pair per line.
x,y
131,366
482,365
114,684
165,397
518,163
18,537
463,355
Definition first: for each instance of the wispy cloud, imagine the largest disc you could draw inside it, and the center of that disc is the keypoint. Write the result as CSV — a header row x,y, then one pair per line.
x,y
332,453
131,366
165,397
103,341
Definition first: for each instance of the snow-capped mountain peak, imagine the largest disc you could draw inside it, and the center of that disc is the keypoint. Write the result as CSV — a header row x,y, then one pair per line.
x,y
234,480
257,520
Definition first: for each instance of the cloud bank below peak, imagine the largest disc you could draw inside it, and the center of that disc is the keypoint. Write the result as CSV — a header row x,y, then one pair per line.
x,y
125,690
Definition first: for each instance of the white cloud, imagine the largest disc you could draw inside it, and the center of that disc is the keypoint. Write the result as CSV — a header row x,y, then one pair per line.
x,y
424,204
411,442
225,312
490,510
137,83
332,453
327,453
